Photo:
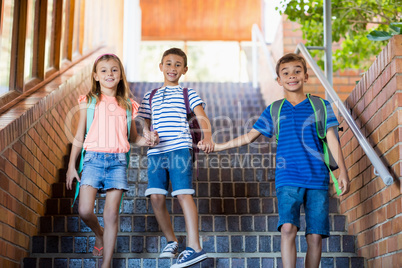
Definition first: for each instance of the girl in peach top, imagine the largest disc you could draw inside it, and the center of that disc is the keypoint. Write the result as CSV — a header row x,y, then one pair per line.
x,y
106,145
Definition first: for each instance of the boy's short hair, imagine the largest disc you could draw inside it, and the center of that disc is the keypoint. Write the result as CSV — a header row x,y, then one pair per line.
x,y
290,57
175,51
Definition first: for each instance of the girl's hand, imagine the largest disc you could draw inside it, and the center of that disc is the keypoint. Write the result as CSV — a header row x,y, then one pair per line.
x,y
206,145
152,138
71,174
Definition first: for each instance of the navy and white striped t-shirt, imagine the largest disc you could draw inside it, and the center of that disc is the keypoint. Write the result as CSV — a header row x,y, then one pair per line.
x,y
299,157
169,117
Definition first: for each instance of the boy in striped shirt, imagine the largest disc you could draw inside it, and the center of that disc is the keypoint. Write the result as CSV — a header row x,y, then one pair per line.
x,y
171,159
301,177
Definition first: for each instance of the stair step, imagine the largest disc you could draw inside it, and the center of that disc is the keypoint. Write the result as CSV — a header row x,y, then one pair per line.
x,y
213,242
148,223
214,260
205,205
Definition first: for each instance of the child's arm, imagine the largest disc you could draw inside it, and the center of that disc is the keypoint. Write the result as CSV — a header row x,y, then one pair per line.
x,y
336,151
205,124
239,141
151,138
76,148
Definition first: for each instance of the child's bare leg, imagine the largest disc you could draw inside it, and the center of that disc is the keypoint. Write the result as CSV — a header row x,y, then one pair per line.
x,y
86,212
162,216
288,245
110,218
314,247
191,219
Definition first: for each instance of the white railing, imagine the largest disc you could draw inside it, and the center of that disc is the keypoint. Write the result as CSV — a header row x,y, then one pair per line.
x,y
256,36
379,168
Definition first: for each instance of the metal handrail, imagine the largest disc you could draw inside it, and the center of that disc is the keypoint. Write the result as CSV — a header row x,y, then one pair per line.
x,y
256,36
379,168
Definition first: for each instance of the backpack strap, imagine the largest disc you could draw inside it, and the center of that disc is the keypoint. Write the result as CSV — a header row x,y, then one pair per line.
x,y
320,113
90,118
275,112
151,96
150,103
186,101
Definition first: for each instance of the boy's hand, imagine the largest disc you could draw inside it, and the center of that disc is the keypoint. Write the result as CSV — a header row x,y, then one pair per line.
x,y
71,174
206,145
343,182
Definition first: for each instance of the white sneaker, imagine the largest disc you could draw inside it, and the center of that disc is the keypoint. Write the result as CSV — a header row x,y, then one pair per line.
x,y
170,250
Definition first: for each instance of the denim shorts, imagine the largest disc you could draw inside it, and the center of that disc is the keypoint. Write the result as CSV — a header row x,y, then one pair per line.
x,y
176,166
105,171
316,207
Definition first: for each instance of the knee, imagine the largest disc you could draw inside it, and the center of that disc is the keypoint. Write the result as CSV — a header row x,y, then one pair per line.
x,y
110,216
314,240
85,212
184,198
158,201
289,231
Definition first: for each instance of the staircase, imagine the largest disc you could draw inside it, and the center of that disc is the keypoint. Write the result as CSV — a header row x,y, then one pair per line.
x,y
235,197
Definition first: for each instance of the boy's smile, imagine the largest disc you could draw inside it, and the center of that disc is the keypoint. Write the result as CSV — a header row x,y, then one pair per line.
x,y
292,76
173,68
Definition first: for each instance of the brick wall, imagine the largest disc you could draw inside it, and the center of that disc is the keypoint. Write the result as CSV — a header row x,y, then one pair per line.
x,y
33,147
373,209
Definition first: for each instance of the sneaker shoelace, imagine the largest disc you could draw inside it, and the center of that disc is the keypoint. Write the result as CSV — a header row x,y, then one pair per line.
x,y
170,247
185,254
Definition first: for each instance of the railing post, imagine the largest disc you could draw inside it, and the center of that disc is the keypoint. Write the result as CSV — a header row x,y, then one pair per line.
x,y
328,42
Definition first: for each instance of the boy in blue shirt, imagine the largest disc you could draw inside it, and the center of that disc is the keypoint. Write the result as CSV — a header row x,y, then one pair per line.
x,y
301,177
171,159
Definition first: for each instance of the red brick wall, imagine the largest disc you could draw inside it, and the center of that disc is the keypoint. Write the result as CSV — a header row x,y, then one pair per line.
x,y
33,147
374,210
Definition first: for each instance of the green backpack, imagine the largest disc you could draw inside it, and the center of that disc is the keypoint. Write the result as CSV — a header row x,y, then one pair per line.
x,y
320,113
90,118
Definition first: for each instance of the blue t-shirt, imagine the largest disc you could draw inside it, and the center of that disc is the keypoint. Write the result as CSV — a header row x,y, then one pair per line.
x,y
169,117
299,155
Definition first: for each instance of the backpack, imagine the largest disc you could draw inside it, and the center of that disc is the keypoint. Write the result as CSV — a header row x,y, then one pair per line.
x,y
90,118
195,129
320,113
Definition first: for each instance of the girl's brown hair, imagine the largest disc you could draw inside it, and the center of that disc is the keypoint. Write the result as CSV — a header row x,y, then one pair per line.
x,y
123,92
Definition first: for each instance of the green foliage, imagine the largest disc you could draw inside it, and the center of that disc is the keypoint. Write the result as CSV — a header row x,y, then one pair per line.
x,y
353,21
394,29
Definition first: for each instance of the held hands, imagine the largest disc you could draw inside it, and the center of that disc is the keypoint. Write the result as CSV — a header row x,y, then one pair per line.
x,y
71,174
152,138
206,145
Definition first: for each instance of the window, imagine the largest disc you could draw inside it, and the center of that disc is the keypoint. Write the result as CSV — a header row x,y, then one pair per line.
x,y
6,26
29,40
49,36
39,38
64,24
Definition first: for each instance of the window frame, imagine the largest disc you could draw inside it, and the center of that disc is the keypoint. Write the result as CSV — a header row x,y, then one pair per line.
x,y
40,74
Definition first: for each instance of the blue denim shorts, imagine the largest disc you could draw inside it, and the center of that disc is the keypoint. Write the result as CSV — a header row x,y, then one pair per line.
x,y
176,166
316,207
105,171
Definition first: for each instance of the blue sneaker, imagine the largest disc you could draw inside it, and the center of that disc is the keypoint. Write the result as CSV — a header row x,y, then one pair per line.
x,y
189,257
170,250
